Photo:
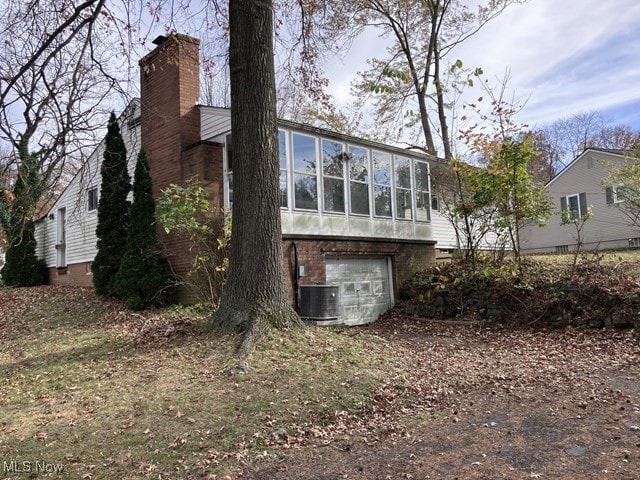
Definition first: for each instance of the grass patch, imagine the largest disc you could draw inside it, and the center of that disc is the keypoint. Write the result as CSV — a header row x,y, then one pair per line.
x,y
114,395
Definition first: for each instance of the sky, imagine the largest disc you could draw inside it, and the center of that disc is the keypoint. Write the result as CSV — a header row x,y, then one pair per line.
x,y
565,57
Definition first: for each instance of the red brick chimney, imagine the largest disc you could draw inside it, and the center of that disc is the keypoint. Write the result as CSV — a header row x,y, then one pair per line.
x,y
170,118
170,128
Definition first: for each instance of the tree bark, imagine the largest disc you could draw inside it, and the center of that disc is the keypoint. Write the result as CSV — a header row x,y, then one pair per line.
x,y
255,295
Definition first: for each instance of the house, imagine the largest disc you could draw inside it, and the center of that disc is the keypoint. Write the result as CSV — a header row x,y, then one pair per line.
x,y
356,215
577,188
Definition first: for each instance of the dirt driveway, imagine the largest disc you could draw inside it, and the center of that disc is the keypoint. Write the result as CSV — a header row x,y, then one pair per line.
x,y
488,403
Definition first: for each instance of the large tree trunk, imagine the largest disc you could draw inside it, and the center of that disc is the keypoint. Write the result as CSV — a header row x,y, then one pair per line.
x,y
255,295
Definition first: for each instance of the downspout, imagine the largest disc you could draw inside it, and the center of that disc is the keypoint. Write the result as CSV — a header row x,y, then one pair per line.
x,y
296,276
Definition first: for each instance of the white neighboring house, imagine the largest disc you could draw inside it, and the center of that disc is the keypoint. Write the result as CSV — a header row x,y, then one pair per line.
x,y
357,216
577,188
66,235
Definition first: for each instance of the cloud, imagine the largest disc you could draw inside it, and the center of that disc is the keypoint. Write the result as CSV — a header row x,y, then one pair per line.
x,y
565,56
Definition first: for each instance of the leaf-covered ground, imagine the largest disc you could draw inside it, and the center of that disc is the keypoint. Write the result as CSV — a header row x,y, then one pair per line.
x,y
491,404
110,394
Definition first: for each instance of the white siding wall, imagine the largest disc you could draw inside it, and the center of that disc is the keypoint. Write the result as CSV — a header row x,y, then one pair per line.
x,y
81,223
214,122
607,228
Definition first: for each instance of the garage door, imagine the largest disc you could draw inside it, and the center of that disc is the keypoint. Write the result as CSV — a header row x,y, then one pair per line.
x,y
365,287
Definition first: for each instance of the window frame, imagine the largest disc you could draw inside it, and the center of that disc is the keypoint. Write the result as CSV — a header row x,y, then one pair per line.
x,y
426,193
367,183
388,185
295,172
404,190
343,160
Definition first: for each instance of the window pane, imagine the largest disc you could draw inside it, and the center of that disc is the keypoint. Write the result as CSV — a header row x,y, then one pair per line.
x,y
332,159
304,153
230,183
423,199
334,195
435,203
306,192
403,172
283,188
422,176
403,204
382,200
574,206
382,168
358,169
359,198
92,199
282,149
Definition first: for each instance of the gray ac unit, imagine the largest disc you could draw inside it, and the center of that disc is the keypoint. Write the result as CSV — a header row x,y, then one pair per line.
x,y
319,302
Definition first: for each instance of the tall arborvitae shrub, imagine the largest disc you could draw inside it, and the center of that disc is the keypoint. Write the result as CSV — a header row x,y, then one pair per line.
x,y
144,278
113,211
22,268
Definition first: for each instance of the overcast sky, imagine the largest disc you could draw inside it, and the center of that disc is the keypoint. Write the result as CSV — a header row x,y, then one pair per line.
x,y
565,56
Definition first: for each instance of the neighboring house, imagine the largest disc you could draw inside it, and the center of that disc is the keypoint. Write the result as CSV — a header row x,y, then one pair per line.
x,y
577,188
356,214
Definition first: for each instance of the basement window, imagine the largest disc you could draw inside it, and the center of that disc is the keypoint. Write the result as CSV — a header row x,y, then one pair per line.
x,y
562,249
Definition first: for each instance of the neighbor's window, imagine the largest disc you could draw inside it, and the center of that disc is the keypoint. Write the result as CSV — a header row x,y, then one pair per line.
x,y
305,174
576,204
333,176
359,180
92,199
404,206
423,197
381,184
616,194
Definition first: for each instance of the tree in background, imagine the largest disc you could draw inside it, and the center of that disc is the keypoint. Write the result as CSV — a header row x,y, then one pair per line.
x,y
505,185
563,140
22,267
623,183
144,278
113,212
52,81
521,200
255,295
415,85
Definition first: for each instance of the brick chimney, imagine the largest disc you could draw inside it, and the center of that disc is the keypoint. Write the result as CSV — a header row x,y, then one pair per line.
x,y
170,128
170,118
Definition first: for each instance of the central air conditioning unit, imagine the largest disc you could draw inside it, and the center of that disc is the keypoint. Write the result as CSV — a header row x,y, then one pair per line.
x,y
319,302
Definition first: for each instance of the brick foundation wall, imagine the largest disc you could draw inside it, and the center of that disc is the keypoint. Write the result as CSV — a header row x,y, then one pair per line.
x,y
406,257
74,275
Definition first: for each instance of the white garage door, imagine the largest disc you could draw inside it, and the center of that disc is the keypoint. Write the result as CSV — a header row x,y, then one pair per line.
x,y
365,287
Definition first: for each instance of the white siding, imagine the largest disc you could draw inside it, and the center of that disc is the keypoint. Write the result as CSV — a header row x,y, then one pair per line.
x,y
81,223
607,228
214,122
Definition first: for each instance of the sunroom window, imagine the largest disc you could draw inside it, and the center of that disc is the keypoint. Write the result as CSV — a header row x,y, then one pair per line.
x,y
333,176
282,150
423,197
359,180
404,204
381,184
305,174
